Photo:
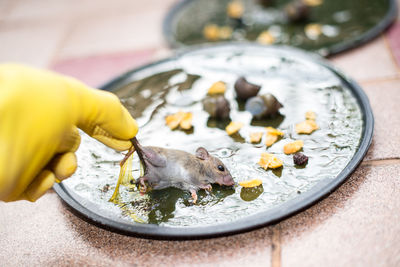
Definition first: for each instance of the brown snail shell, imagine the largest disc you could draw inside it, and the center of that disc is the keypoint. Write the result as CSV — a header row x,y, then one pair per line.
x,y
263,106
297,10
266,3
245,90
217,106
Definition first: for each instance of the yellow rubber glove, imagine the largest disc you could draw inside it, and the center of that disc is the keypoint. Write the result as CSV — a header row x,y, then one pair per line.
x,y
40,112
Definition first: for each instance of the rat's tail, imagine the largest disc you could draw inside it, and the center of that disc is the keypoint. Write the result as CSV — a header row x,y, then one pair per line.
x,y
139,150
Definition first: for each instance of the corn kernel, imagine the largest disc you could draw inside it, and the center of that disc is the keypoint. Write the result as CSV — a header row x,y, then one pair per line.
x,y
182,119
306,127
268,160
186,122
235,9
233,127
255,138
211,32
293,147
251,183
217,88
312,2
265,38
310,115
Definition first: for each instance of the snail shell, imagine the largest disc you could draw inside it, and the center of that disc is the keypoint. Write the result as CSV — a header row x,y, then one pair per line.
x,y
266,3
297,10
245,90
217,106
263,106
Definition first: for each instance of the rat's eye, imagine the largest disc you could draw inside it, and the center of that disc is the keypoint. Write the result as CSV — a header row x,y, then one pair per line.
x,y
221,168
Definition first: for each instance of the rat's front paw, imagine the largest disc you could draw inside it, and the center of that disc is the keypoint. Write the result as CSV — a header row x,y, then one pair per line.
x,y
207,187
194,195
142,185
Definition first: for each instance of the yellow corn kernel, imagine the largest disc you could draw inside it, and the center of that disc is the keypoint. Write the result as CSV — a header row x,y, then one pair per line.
x,y
293,147
310,115
273,131
265,38
217,88
235,9
255,137
313,30
312,2
306,127
211,32
233,127
270,139
174,120
272,136
225,32
250,183
186,122
268,160
182,119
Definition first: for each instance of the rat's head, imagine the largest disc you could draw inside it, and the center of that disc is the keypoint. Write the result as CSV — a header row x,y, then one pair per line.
x,y
215,169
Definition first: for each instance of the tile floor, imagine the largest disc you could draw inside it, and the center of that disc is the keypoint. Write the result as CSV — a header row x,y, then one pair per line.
x,y
357,225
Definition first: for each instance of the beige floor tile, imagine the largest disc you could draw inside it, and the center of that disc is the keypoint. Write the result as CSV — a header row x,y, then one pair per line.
x,y
385,98
127,32
49,10
34,10
5,5
368,62
355,226
358,225
33,44
121,7
88,28
47,233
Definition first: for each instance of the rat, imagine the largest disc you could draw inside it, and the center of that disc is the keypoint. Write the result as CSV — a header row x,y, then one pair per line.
x,y
176,168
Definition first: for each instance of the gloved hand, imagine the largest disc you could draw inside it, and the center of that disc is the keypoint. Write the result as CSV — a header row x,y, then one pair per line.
x,y
40,113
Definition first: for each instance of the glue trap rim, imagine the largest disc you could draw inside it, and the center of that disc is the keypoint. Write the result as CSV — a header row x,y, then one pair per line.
x,y
374,32
86,211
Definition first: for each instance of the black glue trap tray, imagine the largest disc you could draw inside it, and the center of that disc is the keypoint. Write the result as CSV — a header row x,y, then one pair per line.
x,y
323,26
310,91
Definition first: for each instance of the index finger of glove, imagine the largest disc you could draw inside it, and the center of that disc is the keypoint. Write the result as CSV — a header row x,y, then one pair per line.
x,y
103,109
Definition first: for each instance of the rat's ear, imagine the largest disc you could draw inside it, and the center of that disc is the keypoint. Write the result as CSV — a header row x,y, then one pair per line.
x,y
202,153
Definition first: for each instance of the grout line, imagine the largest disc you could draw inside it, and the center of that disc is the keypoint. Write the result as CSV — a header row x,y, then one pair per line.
x,y
276,252
381,162
380,80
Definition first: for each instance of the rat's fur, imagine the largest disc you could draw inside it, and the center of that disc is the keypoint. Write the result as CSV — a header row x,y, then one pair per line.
x,y
177,168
